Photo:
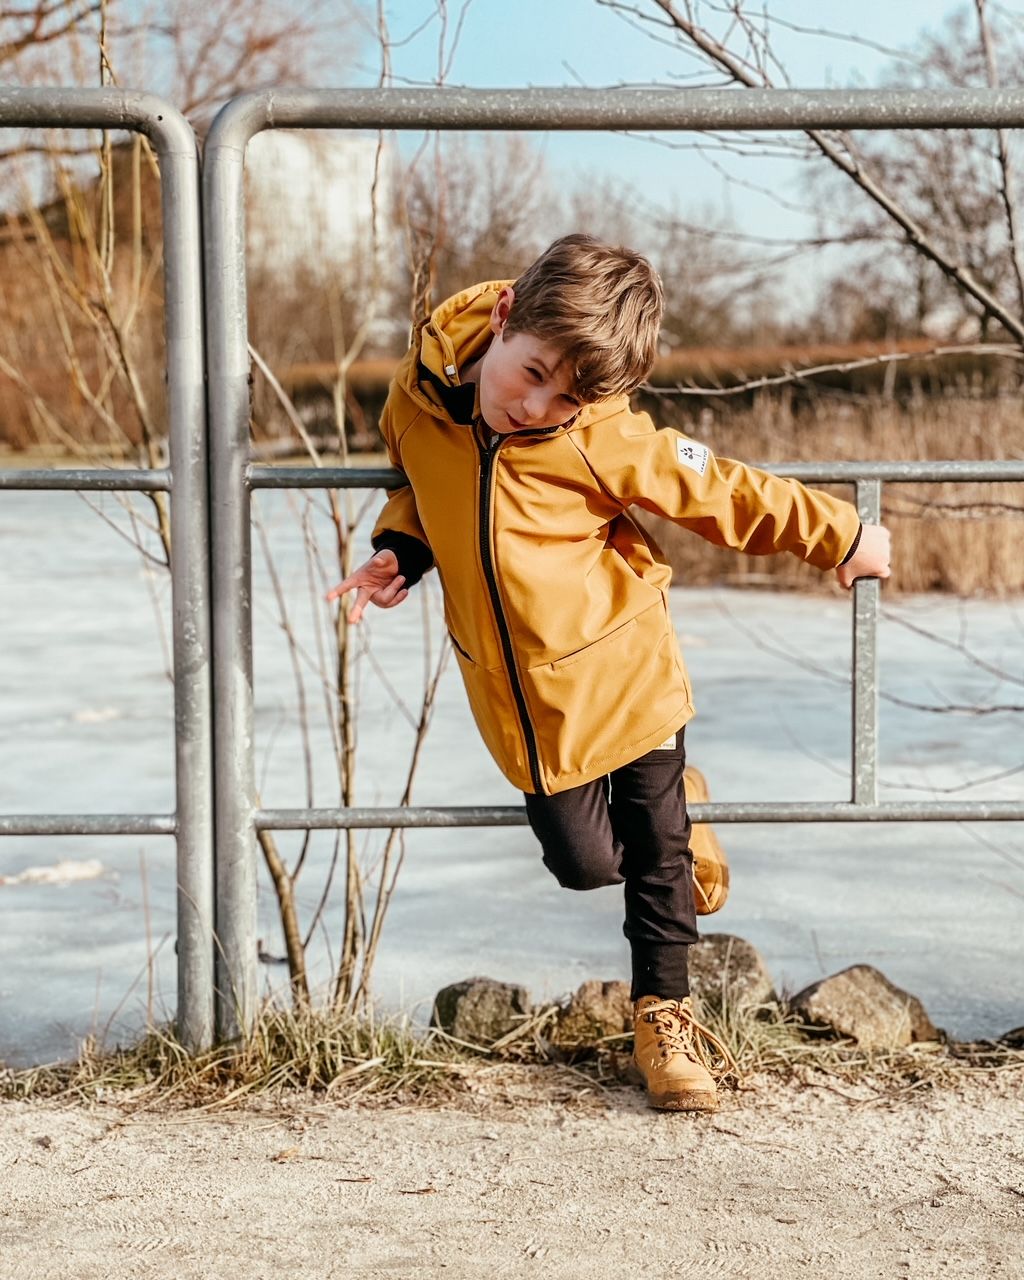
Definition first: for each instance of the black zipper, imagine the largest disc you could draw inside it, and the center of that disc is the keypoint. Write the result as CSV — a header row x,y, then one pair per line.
x,y
488,453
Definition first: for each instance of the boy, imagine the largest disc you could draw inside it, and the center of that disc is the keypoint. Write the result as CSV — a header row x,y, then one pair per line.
x,y
509,416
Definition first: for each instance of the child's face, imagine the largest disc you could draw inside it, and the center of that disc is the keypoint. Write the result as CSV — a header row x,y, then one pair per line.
x,y
524,382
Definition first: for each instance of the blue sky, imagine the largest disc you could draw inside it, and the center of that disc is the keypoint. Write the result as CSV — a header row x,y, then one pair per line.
x,y
555,42
520,43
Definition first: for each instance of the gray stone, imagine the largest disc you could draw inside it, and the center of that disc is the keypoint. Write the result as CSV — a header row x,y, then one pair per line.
x,y
595,1011
723,965
480,1010
862,1004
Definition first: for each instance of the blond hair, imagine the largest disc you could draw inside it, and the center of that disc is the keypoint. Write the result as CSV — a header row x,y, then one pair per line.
x,y
600,305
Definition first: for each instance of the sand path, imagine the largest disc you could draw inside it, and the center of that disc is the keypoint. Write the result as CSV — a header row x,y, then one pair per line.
x,y
522,1177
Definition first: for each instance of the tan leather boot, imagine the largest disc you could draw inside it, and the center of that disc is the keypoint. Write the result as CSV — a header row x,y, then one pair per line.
x,y
675,1055
710,868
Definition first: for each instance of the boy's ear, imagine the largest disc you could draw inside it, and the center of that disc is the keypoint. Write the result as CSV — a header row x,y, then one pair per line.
x,y
502,309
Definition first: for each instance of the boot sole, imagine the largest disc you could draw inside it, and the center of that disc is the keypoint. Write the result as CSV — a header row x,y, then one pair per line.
x,y
689,1101
681,1100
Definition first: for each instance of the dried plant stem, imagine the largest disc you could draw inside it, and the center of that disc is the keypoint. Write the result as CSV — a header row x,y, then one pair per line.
x,y
284,888
388,874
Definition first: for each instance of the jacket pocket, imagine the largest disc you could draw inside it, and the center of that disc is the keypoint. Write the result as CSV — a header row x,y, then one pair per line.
x,y
458,647
494,710
618,636
593,707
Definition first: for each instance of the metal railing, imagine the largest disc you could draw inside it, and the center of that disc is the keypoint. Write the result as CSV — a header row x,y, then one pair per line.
x,y
216,798
238,817
863,806
192,821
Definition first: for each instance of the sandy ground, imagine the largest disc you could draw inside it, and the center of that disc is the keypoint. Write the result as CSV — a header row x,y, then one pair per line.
x,y
524,1176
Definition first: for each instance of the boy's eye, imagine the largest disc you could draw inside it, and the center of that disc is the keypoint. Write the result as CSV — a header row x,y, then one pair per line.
x,y
535,373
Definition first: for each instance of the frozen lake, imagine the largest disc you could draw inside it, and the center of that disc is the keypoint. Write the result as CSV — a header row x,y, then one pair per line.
x,y
87,704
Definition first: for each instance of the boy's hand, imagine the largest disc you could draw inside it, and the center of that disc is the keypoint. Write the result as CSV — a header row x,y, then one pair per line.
x,y
377,580
870,560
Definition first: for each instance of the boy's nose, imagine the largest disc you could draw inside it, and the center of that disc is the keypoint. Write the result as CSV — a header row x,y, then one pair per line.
x,y
534,407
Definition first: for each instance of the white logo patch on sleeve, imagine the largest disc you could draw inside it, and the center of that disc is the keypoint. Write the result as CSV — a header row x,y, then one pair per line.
x,y
668,745
694,456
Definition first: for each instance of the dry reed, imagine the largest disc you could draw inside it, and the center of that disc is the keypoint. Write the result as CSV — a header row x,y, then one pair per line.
x,y
963,538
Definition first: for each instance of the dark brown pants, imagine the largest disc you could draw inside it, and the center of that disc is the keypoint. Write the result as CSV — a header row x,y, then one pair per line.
x,y
631,828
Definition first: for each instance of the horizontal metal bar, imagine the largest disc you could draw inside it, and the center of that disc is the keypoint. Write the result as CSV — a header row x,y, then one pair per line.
x,y
618,108
342,819
325,478
939,472
261,477
899,472
88,824
130,109
140,481
498,816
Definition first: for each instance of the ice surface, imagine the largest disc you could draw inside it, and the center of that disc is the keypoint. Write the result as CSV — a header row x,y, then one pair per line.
x,y
89,727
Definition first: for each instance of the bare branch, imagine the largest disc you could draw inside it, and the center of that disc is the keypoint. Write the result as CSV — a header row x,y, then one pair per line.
x,y
38,33
957,646
846,37
800,375
1006,184
762,638
842,154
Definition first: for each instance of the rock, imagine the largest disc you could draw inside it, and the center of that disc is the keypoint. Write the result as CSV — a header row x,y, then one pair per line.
x,y
861,1003
596,1010
1013,1039
721,964
480,1010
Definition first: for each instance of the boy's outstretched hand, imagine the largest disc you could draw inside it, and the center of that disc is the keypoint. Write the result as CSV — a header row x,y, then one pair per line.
x,y
377,580
870,560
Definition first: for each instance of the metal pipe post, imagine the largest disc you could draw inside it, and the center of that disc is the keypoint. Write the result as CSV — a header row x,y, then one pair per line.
x,y
234,785
865,662
190,581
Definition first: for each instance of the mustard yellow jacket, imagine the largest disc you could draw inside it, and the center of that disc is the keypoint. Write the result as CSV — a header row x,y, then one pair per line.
x,y
556,601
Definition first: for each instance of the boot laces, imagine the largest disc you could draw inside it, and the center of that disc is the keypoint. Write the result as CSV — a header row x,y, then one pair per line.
x,y
680,1032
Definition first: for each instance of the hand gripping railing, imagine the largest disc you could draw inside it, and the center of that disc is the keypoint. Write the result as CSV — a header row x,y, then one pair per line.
x,y
237,815
192,821
863,805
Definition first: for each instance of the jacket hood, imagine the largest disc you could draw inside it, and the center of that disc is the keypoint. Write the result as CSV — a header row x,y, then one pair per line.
x,y
457,332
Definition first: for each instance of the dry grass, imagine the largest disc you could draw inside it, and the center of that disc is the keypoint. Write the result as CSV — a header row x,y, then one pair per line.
x,y
772,1040
311,1050
961,538
384,1061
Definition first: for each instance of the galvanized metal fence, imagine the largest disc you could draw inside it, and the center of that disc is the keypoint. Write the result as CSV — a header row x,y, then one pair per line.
x,y
192,821
237,818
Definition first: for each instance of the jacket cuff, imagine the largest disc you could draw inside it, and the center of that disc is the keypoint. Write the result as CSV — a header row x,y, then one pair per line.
x,y
414,556
853,549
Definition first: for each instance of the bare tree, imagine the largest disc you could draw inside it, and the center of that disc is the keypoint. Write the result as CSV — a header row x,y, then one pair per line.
x,y
81,359
949,198
197,53
480,211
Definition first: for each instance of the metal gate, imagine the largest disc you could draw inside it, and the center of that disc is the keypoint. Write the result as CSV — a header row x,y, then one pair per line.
x,y
192,821
229,791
